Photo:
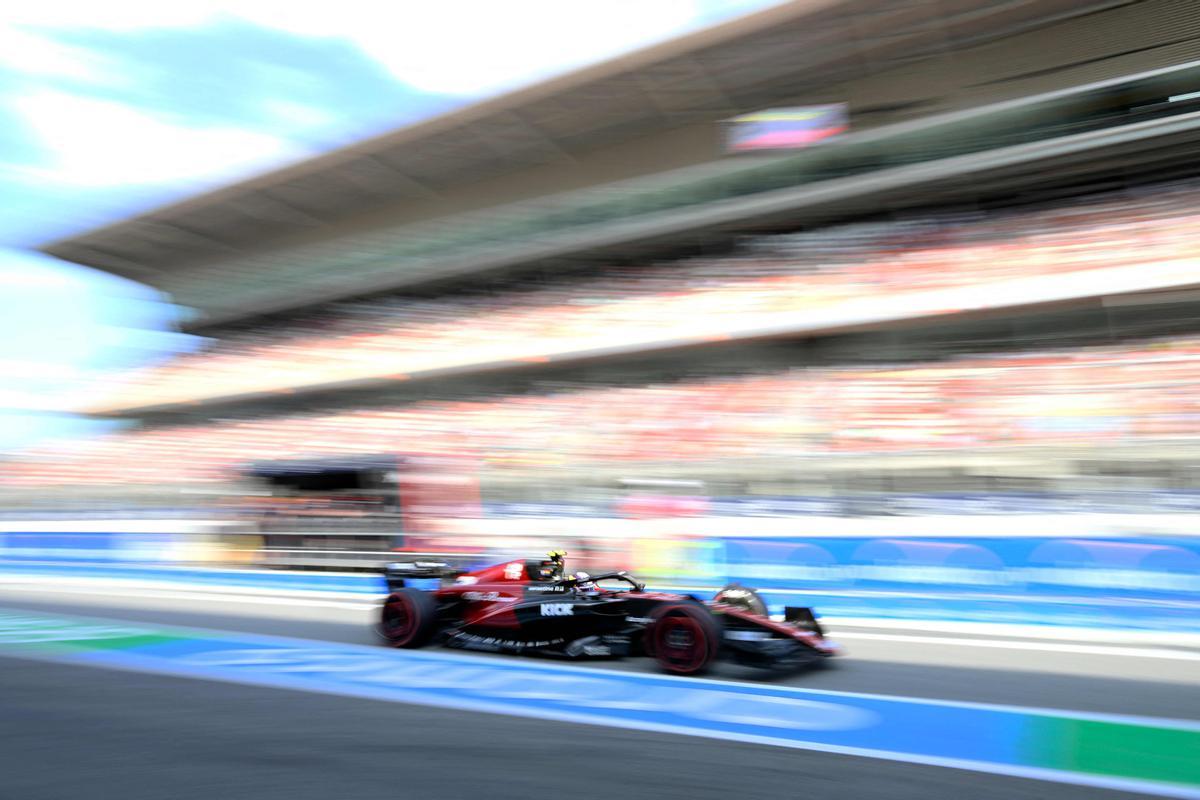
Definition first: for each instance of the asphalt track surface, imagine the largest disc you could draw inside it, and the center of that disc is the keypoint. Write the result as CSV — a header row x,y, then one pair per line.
x,y
70,731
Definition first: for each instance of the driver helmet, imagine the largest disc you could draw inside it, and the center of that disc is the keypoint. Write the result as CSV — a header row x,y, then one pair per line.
x,y
552,567
584,582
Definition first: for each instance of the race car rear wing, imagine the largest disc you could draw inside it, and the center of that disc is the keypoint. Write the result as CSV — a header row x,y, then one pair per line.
x,y
397,572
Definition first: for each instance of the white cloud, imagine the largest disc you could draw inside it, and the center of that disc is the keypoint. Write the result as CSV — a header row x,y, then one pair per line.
x,y
18,275
96,142
299,115
458,47
470,47
114,15
33,54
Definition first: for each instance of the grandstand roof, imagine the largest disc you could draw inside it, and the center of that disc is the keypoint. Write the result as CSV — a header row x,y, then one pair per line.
x,y
742,65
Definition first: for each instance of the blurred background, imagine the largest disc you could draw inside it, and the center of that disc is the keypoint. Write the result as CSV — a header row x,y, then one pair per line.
x,y
680,311
891,306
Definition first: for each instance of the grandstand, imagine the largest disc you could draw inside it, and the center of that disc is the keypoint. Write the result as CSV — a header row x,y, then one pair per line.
x,y
988,284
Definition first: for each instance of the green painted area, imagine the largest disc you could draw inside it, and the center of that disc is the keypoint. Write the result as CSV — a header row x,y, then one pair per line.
x,y
126,642
62,635
62,646
1136,751
1126,750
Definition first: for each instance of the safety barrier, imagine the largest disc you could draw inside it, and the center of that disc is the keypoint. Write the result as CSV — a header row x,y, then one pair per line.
x,y
1148,582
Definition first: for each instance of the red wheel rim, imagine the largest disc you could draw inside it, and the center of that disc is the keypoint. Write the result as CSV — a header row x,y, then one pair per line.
x,y
399,620
680,643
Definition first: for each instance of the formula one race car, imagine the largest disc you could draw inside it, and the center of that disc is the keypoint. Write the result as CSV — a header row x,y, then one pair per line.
x,y
528,606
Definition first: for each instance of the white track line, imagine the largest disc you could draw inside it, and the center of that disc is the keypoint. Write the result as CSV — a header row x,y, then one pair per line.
x,y
1057,633
213,597
1049,647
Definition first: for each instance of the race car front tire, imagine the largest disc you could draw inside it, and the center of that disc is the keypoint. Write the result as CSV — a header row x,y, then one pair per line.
x,y
408,618
745,598
684,638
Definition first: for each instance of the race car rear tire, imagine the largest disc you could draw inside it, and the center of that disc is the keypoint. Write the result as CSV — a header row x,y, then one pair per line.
x,y
408,618
684,638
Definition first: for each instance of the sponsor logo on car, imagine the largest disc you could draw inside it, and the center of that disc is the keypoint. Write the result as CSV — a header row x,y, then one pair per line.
x,y
483,596
557,610
471,641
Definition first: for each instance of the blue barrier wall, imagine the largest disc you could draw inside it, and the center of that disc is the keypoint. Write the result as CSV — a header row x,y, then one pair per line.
x,y
1136,582
152,548
1161,568
1124,582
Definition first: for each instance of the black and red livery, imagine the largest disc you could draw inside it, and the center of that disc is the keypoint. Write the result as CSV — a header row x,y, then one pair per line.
x,y
516,607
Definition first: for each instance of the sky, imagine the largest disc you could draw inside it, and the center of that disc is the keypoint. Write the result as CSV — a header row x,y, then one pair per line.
x,y
111,108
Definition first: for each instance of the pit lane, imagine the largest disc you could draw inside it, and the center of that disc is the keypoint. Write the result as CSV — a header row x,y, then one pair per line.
x,y
244,734
81,732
